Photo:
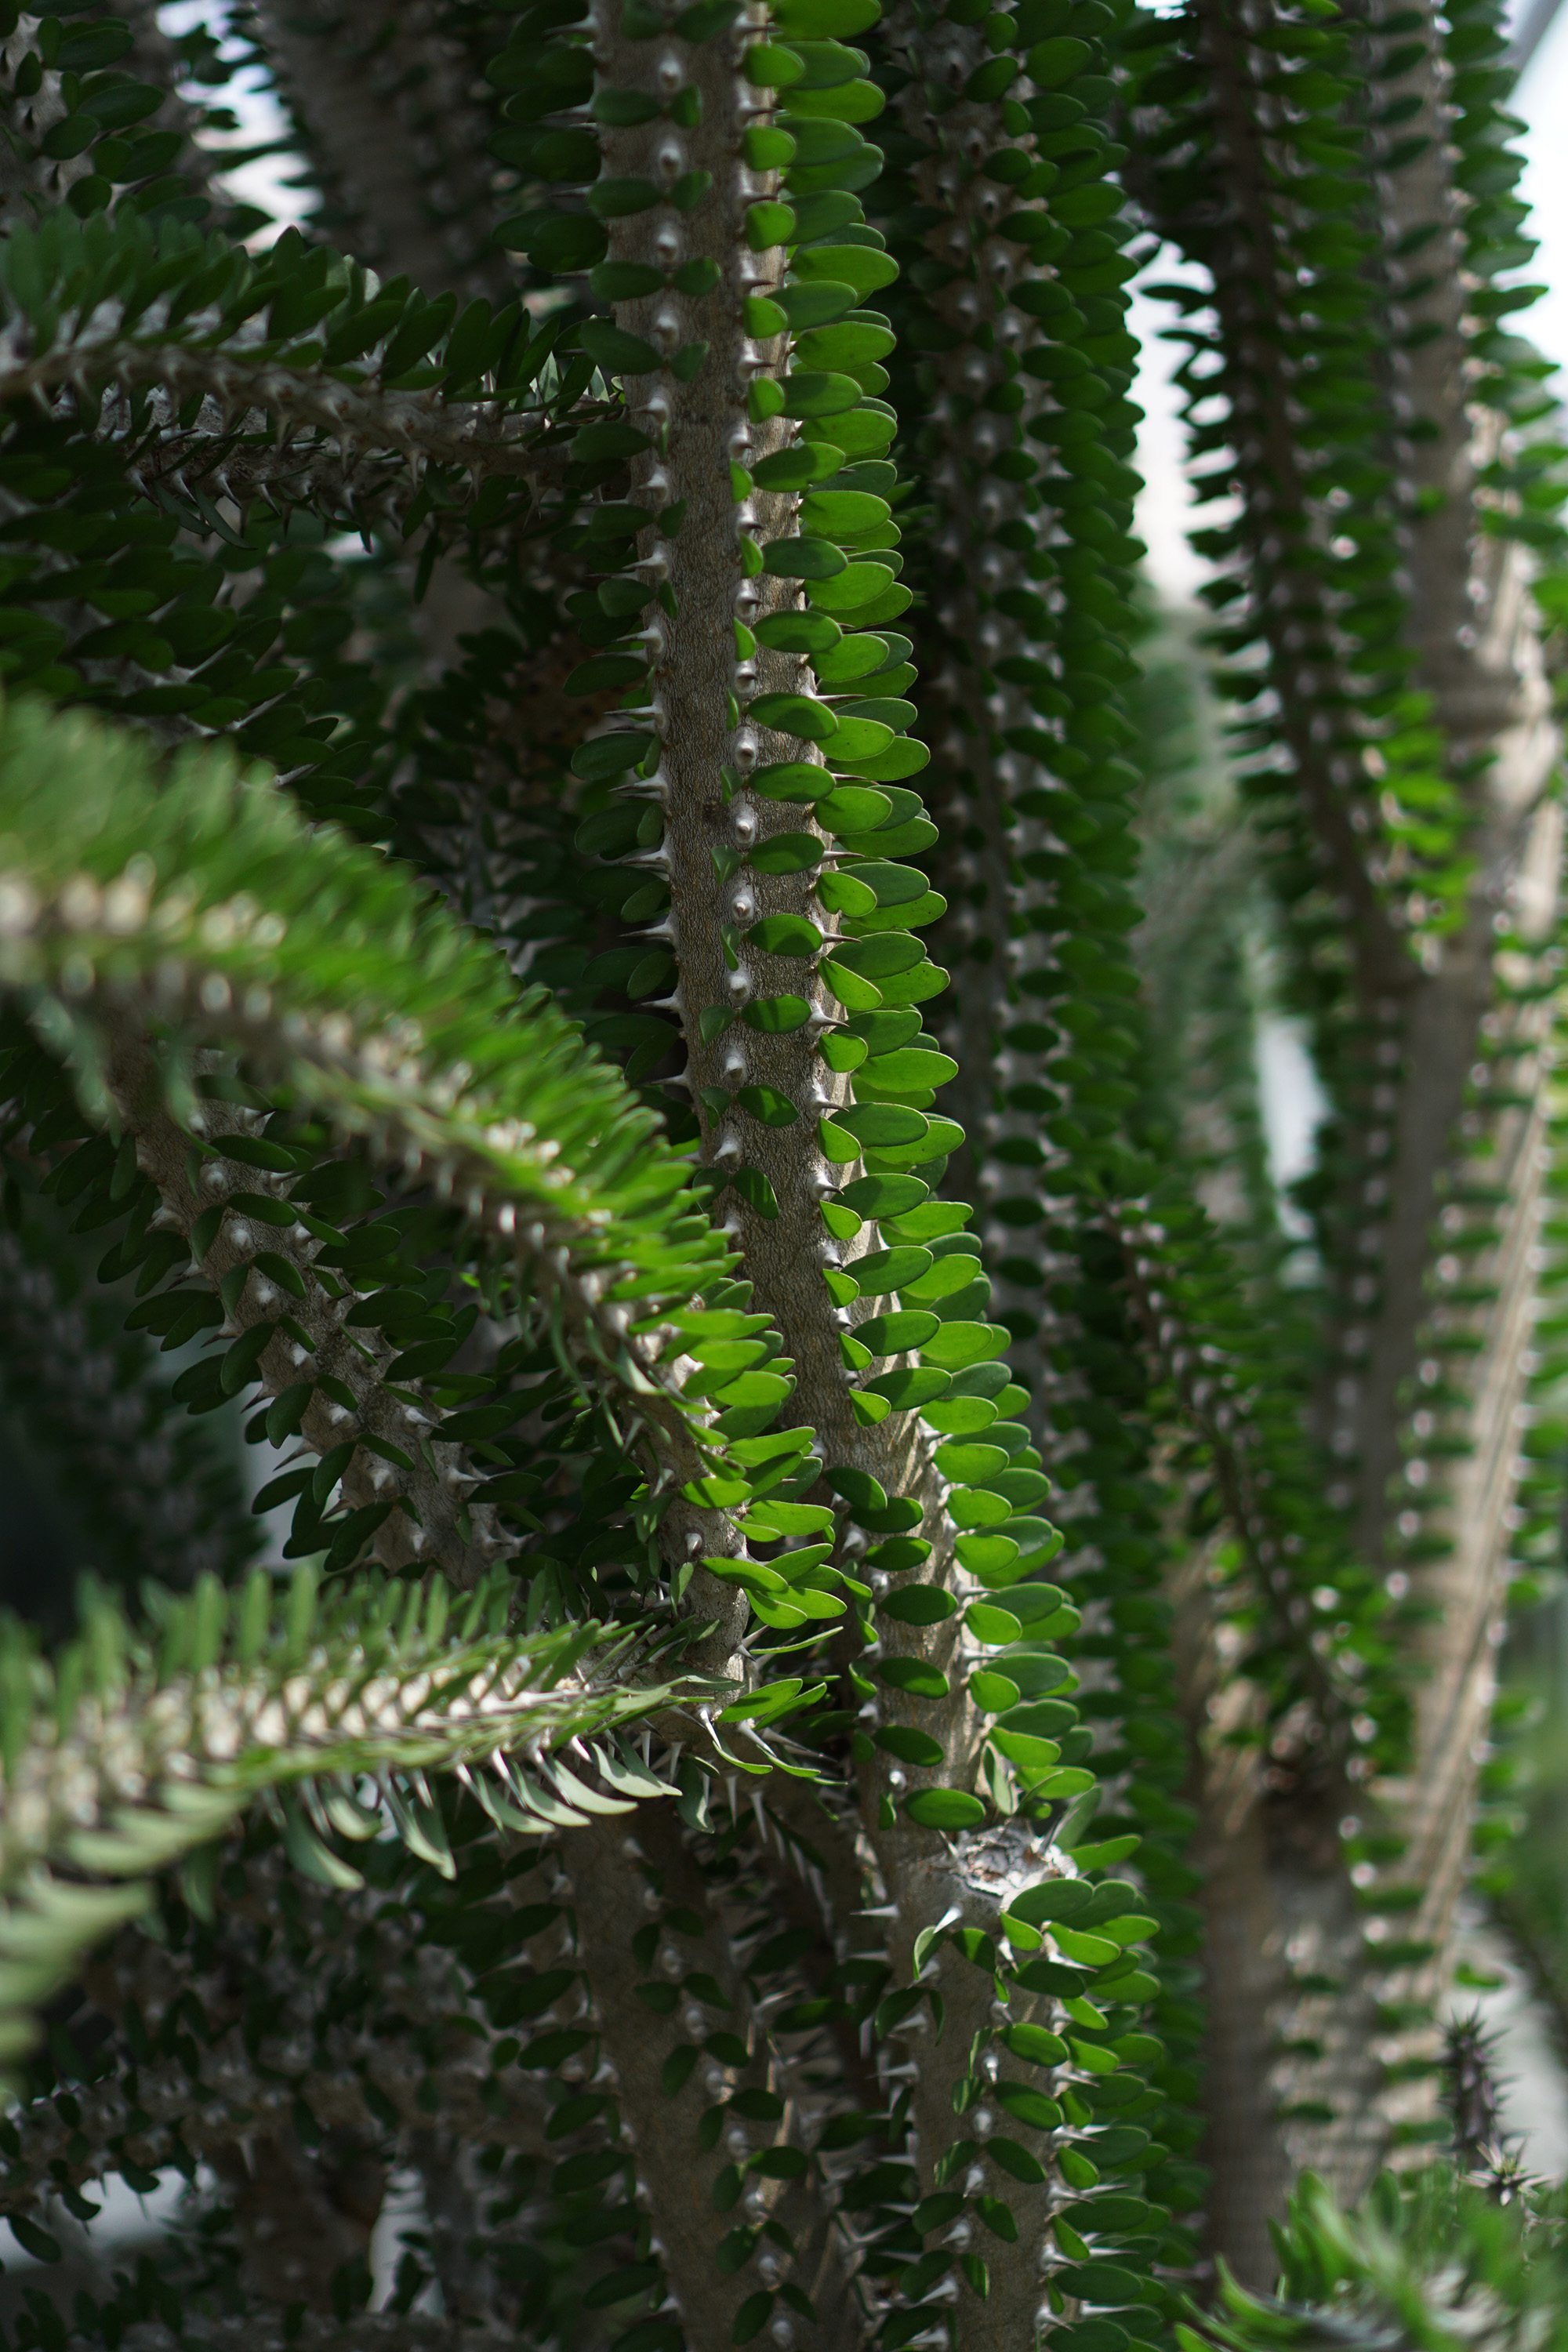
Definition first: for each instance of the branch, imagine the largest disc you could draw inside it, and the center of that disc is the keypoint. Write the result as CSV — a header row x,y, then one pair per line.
x,y
364,426
297,338
1250,259
358,487
158,1752
386,107
210,906
697,2136
274,2032
1270,1484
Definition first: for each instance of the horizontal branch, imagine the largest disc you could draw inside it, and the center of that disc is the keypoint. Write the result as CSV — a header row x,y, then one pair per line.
x,y
360,487
134,1757
478,437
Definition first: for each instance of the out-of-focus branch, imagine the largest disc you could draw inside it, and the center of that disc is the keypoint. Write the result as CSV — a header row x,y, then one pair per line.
x,y
384,101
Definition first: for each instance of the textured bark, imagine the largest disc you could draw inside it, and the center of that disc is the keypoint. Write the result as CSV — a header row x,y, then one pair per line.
x,y
705,428
677,2177
1470,625
437,1492
383,97
359,424
700,686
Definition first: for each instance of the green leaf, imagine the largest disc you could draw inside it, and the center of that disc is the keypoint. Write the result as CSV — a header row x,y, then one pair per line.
x,y
881,1271
885,1196
677,2068
757,1191
934,2212
908,1066
818,392
1054,63
1033,1756
806,307
963,1459
785,935
883,956
769,223
997,1628
776,1016
855,993
850,345
623,281
786,853
918,1605
998,2217
858,1487
34,2240
861,740
752,2317
795,468
1016,2160
768,1105
771,66
885,1123
893,1334
604,672
991,1691
796,633
611,347
843,893
958,1345
240,1363
909,1746
851,102
856,590
314,1860
802,558
793,714
851,807
615,199
1037,2045
850,512
556,241
790,780
916,1385
944,1809
986,1555
766,149
916,1675
603,756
